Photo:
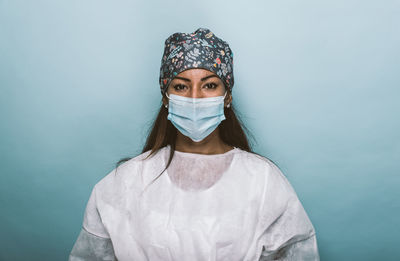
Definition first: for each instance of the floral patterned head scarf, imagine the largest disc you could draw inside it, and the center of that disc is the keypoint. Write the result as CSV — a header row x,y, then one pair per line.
x,y
201,49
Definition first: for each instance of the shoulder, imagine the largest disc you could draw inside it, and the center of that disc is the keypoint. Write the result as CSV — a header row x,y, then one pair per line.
x,y
277,191
256,162
128,174
265,169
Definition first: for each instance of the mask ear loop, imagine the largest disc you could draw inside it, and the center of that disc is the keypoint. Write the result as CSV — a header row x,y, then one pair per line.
x,y
166,105
229,105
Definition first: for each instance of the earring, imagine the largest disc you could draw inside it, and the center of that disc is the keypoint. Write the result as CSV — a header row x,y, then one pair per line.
x,y
166,105
229,105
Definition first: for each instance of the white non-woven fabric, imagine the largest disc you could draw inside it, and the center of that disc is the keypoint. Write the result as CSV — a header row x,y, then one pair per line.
x,y
235,206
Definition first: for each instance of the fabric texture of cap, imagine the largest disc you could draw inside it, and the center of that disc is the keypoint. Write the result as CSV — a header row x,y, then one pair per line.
x,y
200,49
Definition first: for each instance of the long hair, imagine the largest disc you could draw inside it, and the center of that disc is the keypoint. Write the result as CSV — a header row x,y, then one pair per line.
x,y
162,133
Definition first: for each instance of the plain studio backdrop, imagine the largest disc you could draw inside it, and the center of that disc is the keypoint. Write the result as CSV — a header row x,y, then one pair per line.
x,y
317,83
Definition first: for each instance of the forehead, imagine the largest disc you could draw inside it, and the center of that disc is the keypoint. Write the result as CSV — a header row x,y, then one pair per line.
x,y
195,73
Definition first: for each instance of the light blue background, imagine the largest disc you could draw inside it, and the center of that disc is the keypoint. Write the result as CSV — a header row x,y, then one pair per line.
x,y
317,83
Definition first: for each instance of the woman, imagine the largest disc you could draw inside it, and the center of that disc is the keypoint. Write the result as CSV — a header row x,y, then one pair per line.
x,y
217,200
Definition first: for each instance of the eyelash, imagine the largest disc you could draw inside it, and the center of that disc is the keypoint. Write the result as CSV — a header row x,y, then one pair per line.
x,y
211,83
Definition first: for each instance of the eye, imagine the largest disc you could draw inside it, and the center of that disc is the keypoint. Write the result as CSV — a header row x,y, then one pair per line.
x,y
211,85
179,87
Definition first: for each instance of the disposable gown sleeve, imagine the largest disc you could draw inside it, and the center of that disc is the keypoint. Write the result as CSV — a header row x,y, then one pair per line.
x,y
287,232
93,242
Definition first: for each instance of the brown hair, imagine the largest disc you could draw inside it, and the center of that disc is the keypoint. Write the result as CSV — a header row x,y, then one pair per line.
x,y
162,133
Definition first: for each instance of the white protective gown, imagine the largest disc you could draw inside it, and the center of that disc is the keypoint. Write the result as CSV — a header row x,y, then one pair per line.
x,y
235,206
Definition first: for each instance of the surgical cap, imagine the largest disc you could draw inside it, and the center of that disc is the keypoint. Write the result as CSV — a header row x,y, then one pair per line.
x,y
200,49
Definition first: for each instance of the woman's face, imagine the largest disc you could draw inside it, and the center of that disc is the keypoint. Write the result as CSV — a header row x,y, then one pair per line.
x,y
197,83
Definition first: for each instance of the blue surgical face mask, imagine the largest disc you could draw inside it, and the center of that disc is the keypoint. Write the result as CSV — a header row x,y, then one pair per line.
x,y
196,118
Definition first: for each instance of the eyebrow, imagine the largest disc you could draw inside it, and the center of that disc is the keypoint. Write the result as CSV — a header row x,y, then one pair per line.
x,y
202,79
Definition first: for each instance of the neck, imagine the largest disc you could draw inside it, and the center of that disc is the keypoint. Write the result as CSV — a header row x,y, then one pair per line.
x,y
212,144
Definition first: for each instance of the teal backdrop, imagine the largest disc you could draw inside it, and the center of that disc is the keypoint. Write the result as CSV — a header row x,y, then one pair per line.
x,y
316,82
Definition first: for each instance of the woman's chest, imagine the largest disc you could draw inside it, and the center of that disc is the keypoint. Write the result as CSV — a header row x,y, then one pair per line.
x,y
168,223
184,227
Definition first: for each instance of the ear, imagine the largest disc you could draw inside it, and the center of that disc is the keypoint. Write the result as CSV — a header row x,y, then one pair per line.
x,y
164,101
228,99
